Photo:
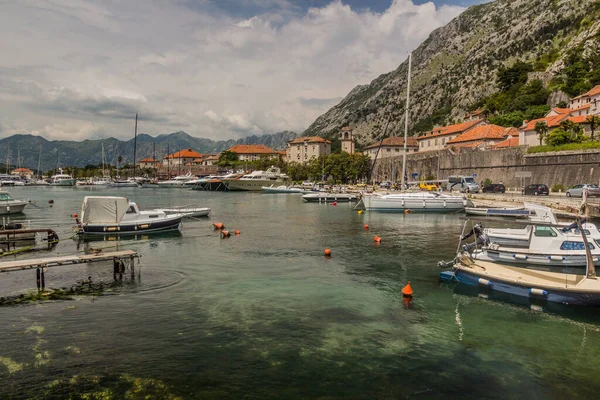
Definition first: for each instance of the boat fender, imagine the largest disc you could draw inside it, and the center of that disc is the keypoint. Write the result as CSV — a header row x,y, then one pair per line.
x,y
520,256
484,282
556,258
225,234
538,292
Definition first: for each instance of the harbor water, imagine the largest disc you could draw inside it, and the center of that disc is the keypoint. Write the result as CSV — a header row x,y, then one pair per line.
x,y
264,315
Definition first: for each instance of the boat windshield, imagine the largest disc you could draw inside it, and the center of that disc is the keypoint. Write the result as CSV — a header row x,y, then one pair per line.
x,y
5,197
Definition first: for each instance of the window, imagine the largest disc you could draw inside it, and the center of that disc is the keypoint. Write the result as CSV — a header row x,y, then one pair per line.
x,y
429,143
436,141
443,140
544,231
397,150
422,144
130,210
569,245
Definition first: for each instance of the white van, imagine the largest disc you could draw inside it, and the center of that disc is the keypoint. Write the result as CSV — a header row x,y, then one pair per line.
x,y
465,184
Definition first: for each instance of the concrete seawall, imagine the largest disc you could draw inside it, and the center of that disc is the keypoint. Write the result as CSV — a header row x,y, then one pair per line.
x,y
507,165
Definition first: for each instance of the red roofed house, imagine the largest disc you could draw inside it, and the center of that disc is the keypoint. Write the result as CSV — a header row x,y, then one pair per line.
x,y
22,172
392,146
305,148
252,152
149,162
182,157
437,138
207,159
591,98
481,136
529,137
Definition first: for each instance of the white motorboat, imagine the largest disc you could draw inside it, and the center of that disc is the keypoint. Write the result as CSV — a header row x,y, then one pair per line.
x,y
187,211
8,205
519,237
256,180
415,201
284,189
177,182
101,181
324,197
61,179
107,215
547,245
124,183
512,212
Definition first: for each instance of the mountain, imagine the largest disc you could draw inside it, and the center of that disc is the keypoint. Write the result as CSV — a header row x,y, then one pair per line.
x,y
79,154
457,65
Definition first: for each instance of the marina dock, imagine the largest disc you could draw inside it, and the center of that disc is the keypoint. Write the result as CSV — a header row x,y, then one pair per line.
x,y
48,262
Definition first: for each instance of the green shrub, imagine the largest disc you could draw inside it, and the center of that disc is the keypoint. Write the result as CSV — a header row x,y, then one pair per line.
x,y
487,181
564,147
557,188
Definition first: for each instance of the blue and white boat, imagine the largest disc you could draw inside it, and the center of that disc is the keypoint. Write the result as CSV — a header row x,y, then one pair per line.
x,y
566,288
514,212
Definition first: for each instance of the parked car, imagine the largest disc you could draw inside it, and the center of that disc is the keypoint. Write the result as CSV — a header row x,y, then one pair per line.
x,y
536,189
494,188
577,190
465,184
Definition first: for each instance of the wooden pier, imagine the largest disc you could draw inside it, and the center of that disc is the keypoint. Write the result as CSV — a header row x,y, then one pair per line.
x,y
48,262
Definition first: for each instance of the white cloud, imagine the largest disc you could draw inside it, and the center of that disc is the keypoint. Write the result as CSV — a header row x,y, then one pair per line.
x,y
79,68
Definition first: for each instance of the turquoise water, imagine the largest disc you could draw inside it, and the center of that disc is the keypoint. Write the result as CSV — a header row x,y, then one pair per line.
x,y
264,315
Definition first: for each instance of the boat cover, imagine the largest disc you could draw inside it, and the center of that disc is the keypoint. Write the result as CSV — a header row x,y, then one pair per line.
x,y
103,209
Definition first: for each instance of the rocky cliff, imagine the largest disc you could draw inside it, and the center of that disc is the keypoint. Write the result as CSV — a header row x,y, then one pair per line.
x,y
456,66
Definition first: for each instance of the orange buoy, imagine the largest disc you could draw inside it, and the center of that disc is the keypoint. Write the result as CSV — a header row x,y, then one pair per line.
x,y
328,252
225,234
377,239
407,290
366,227
236,232
334,203
218,225
75,215
406,211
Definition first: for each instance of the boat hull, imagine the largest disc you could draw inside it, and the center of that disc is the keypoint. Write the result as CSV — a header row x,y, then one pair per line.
x,y
190,212
131,228
329,197
415,203
567,296
254,185
12,207
64,182
498,212
522,257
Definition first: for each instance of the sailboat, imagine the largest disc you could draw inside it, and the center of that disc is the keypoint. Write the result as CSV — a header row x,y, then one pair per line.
x,y
104,180
131,182
419,201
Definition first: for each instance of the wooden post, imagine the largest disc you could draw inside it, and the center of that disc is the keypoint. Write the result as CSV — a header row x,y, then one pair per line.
x,y
38,281
591,268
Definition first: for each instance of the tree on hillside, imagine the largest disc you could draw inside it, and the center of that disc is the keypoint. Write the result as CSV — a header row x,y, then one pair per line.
x,y
542,130
594,122
513,76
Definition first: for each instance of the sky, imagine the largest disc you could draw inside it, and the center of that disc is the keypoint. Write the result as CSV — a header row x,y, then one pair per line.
x,y
220,69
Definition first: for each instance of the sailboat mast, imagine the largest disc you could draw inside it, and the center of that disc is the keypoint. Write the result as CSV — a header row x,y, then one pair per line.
x,y
103,168
39,163
154,158
406,123
135,143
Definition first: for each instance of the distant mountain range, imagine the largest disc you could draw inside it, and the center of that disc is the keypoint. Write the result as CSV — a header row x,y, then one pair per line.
x,y
80,154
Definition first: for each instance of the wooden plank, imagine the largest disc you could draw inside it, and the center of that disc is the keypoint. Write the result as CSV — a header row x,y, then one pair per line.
x,y
64,260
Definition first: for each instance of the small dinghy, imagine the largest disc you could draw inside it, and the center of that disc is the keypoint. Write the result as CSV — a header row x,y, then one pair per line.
x,y
187,211
284,189
322,197
515,212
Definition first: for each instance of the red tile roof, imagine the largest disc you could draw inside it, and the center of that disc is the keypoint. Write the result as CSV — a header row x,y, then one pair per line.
x,y
593,91
308,139
395,142
450,129
148,160
185,153
22,170
550,121
251,149
508,142
480,133
559,110
580,119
